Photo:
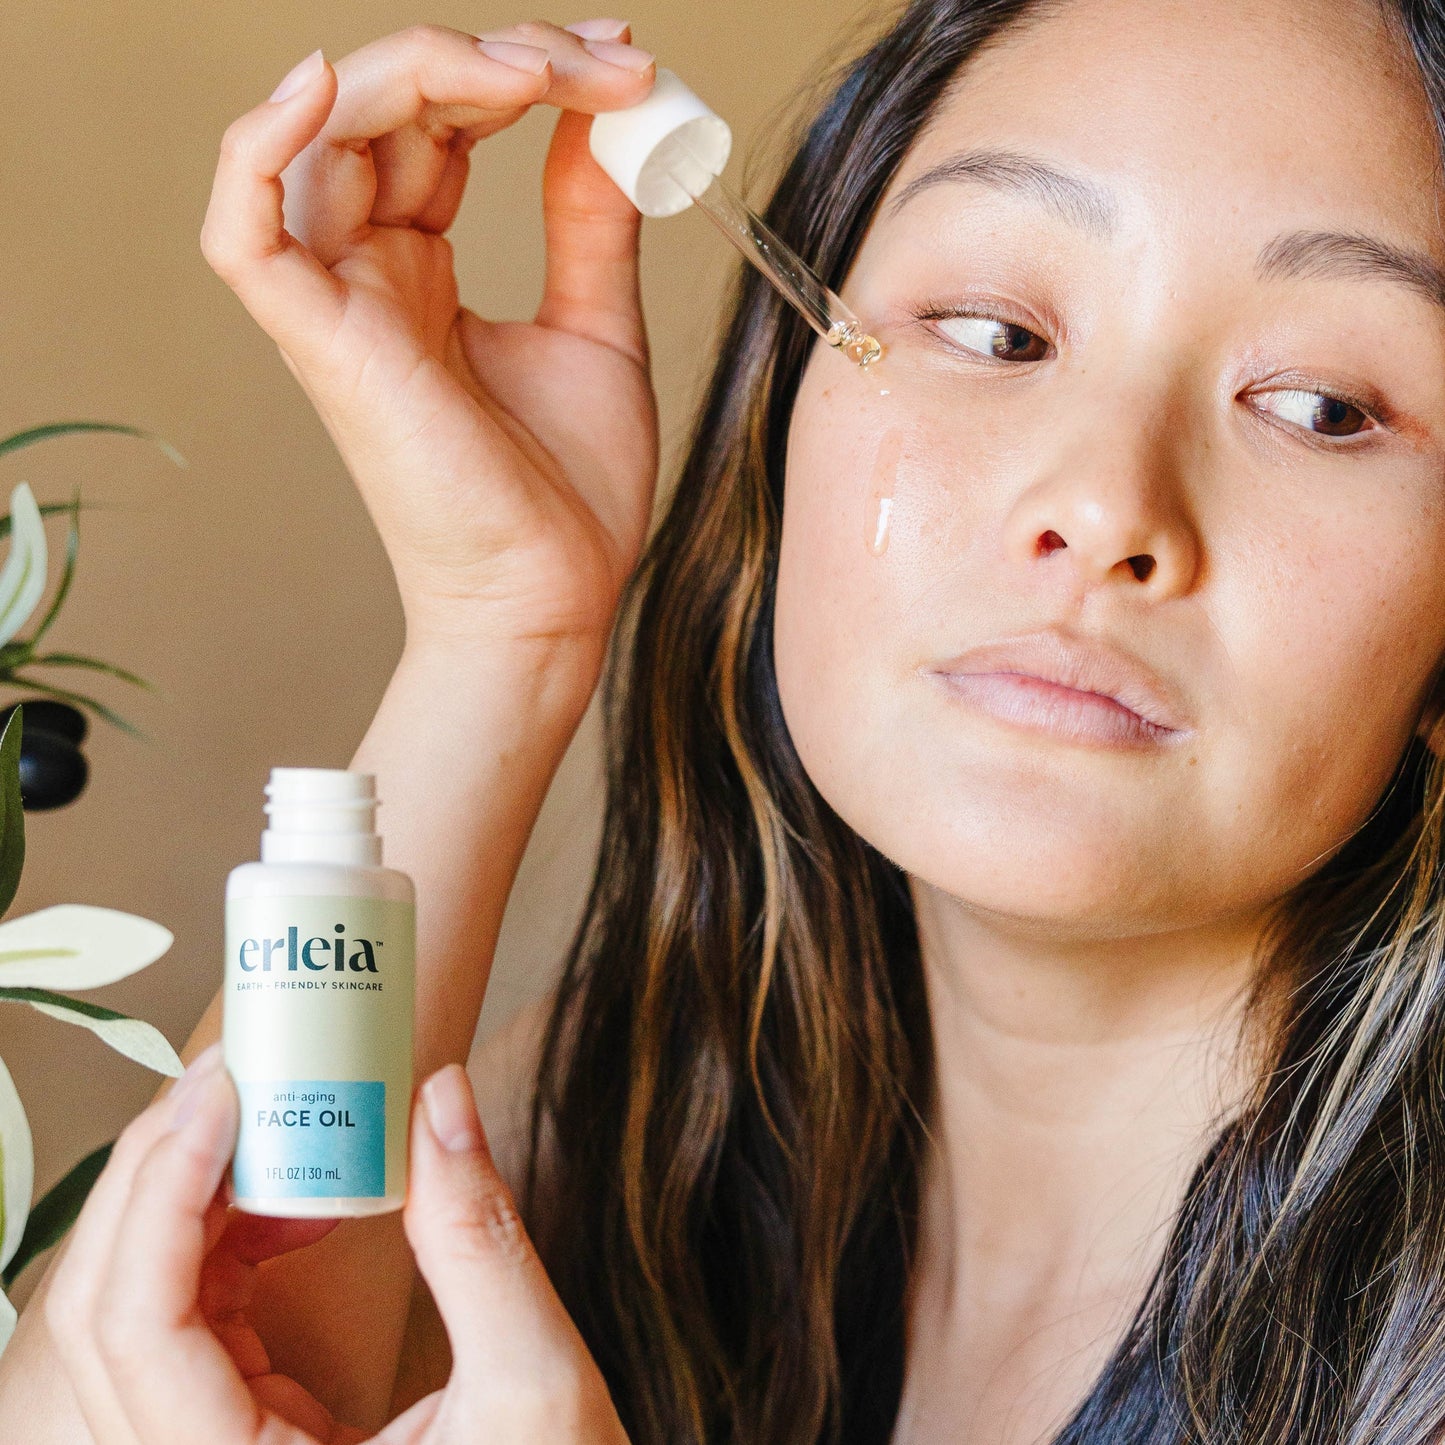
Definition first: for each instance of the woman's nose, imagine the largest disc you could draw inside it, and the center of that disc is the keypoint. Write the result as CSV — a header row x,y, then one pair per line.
x,y
1108,506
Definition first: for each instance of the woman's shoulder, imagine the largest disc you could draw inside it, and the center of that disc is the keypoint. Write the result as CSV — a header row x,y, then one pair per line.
x,y
503,1071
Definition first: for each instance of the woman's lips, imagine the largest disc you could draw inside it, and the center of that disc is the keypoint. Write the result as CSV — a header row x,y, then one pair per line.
x,y
1063,712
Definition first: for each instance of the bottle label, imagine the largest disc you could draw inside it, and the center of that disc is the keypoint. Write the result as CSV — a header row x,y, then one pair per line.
x,y
312,1137
319,998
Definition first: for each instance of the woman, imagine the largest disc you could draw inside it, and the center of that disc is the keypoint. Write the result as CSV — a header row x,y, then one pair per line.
x,y
1008,1006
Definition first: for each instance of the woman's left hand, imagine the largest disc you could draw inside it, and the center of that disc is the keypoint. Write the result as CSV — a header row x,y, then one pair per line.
x,y
147,1306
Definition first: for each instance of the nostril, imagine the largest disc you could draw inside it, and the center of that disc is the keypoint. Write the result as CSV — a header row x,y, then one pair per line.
x,y
1050,542
1143,566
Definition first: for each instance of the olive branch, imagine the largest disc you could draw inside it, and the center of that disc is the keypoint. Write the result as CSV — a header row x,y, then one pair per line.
x,y
70,945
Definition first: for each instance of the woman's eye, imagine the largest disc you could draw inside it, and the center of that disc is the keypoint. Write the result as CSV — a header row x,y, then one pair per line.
x,y
992,337
1315,411
1318,412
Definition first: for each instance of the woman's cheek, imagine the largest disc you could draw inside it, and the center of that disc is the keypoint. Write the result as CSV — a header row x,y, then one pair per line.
x,y
836,633
825,614
1335,623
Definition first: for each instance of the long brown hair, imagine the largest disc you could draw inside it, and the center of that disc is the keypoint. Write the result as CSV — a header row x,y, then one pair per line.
x,y
734,1077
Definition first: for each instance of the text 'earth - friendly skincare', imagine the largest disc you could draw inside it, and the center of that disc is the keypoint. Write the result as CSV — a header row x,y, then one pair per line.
x,y
319,1000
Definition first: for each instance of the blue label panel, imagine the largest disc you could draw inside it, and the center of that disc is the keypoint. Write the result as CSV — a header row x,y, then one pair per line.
x,y
311,1138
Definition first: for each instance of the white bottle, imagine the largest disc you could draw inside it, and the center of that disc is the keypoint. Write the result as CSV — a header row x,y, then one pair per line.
x,y
319,998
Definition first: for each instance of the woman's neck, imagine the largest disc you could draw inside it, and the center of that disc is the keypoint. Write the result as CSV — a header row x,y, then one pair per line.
x,y
1076,1087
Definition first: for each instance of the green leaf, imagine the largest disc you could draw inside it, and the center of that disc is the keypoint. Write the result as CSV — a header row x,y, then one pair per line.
x,y
65,428
17,1164
72,659
134,1038
12,812
46,508
53,1215
99,708
77,945
22,578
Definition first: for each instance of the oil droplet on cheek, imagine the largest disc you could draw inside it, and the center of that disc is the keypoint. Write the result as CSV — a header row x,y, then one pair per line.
x,y
879,507
879,545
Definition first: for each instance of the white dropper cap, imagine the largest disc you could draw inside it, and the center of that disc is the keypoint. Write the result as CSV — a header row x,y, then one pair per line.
x,y
666,134
321,815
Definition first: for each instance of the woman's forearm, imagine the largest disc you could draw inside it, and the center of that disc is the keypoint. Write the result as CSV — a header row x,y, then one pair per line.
x,y
464,746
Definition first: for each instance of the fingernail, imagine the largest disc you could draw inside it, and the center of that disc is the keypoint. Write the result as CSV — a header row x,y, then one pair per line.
x,y
531,58
629,57
190,1087
598,29
451,1109
297,79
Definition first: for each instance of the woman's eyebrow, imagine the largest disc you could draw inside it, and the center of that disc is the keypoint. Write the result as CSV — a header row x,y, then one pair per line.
x,y
1094,208
1352,256
1075,199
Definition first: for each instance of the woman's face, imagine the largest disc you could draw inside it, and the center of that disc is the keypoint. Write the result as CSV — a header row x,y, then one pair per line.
x,y
1200,433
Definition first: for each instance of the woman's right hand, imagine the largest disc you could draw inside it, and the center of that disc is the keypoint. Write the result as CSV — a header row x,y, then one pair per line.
x,y
509,466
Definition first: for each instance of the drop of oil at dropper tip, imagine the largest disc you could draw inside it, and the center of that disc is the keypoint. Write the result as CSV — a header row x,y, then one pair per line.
x,y
855,343
863,349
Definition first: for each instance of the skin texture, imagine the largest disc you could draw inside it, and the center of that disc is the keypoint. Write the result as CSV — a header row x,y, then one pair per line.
x,y
1087,912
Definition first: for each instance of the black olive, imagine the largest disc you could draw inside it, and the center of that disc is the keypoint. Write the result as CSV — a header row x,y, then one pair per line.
x,y
51,716
53,771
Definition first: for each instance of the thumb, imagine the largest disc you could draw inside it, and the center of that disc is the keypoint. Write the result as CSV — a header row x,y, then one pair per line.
x,y
592,287
506,1325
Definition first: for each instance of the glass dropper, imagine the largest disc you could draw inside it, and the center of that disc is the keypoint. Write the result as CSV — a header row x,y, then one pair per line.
x,y
821,307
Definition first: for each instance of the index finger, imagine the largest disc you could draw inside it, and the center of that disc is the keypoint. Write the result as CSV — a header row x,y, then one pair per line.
x,y
389,82
69,1292
441,82
172,1376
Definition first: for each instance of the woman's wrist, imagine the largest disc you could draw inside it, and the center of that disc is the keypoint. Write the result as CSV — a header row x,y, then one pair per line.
x,y
550,676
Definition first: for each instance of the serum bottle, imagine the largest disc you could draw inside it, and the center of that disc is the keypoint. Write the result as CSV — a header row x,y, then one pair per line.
x,y
318,1004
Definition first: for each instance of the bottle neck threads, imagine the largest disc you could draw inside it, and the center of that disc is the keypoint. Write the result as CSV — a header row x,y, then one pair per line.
x,y
321,815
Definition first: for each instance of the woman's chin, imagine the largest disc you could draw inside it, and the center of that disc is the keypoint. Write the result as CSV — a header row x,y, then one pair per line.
x,y
1050,879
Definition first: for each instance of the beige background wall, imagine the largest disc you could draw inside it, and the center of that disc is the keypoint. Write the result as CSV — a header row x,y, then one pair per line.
x,y
208,582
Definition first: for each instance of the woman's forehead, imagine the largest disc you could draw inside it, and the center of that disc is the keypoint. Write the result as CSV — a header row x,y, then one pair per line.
x,y
1246,107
